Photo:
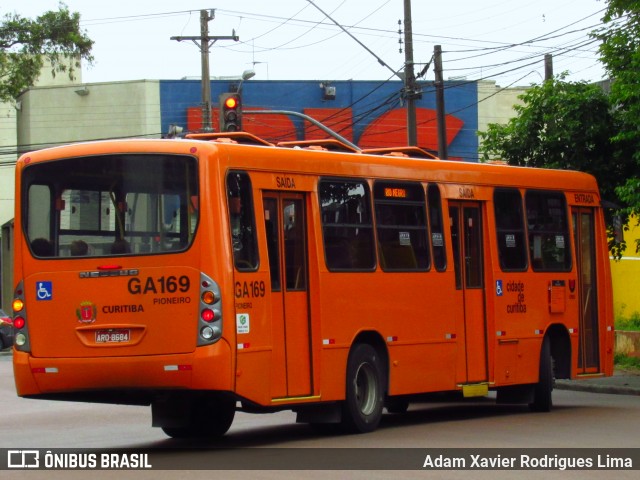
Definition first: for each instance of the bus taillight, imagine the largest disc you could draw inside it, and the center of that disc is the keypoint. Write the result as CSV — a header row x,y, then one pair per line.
x,y
21,339
210,322
17,305
209,297
209,333
208,315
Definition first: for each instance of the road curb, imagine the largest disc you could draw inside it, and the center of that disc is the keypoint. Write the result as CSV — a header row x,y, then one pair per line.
x,y
583,386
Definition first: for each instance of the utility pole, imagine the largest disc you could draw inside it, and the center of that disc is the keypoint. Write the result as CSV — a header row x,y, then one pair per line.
x,y
204,42
410,87
440,113
411,92
548,67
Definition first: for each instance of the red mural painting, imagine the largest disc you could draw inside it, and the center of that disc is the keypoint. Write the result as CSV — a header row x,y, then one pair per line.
x,y
387,130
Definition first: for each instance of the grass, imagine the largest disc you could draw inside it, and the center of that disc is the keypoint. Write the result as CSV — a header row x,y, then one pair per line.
x,y
624,361
631,323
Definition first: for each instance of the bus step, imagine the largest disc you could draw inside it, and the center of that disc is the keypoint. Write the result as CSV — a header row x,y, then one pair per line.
x,y
475,390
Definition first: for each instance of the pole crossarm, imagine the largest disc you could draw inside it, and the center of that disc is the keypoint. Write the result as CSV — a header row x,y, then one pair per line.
x,y
204,42
199,40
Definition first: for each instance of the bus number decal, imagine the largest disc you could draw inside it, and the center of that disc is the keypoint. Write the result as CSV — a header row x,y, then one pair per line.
x,y
250,289
162,284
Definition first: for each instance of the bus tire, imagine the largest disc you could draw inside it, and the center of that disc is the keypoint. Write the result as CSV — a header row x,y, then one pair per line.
x,y
365,390
209,418
542,401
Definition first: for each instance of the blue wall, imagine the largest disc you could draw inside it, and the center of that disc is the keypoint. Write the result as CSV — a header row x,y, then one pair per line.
x,y
367,99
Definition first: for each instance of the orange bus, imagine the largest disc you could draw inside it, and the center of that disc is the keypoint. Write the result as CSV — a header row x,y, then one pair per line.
x,y
206,275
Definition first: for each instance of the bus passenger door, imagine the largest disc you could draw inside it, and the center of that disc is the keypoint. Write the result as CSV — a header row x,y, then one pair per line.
x,y
466,235
285,226
583,234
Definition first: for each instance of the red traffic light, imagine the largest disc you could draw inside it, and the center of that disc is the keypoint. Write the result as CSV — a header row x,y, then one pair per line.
x,y
230,112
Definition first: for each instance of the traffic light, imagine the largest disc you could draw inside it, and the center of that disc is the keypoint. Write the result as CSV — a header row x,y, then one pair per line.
x,y
230,112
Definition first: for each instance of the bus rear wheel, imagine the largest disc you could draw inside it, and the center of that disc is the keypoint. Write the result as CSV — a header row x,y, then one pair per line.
x,y
208,418
362,408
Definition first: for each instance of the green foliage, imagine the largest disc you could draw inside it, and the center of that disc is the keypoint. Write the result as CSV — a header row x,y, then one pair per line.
x,y
25,44
624,361
631,323
565,125
620,54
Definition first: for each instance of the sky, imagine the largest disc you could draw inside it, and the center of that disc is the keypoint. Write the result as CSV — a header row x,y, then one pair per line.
x,y
501,40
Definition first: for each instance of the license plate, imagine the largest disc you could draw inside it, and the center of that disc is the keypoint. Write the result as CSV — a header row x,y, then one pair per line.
x,y
113,336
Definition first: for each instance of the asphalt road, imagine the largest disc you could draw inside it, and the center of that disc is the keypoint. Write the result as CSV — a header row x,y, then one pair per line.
x,y
579,419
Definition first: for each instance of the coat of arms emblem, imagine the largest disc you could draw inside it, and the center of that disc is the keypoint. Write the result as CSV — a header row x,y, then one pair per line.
x,y
87,312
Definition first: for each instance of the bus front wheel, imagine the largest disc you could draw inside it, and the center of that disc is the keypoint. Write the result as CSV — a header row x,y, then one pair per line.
x,y
542,401
362,408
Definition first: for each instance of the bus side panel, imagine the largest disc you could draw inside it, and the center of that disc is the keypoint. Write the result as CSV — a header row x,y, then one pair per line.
x,y
528,360
521,317
422,368
254,336
253,375
420,336
333,373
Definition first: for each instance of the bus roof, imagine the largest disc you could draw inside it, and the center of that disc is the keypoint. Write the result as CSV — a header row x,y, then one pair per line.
x,y
284,159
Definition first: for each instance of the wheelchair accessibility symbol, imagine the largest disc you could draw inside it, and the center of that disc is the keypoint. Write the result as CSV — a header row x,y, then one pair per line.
x,y
44,290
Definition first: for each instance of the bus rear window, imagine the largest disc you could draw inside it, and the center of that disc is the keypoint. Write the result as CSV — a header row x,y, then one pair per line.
x,y
111,205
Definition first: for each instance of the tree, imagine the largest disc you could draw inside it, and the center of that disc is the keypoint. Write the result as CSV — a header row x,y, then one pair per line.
x,y
25,44
565,125
620,54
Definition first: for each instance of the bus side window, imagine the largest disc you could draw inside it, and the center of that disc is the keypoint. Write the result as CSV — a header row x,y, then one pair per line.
x,y
512,248
437,227
347,228
273,242
549,245
39,220
401,225
242,221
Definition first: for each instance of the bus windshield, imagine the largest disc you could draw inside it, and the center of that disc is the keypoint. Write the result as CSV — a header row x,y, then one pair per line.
x,y
111,205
